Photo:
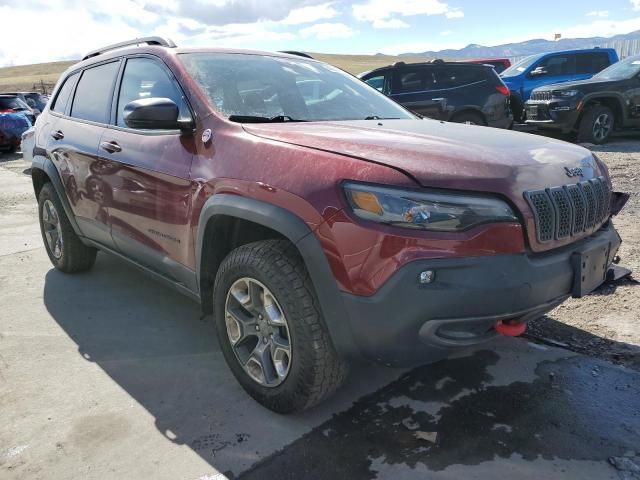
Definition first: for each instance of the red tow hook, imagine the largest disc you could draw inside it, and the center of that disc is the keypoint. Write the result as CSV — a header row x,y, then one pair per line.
x,y
510,328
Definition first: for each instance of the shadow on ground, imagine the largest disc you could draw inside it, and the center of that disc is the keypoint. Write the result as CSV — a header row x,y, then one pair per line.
x,y
511,398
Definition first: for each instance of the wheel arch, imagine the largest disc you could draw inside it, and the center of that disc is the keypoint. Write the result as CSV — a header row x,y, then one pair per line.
x,y
42,171
225,217
468,109
611,100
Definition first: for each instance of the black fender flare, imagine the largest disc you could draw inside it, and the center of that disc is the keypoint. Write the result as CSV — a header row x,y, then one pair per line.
x,y
42,162
595,96
305,241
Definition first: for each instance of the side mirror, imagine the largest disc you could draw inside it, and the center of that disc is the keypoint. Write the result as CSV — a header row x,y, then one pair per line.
x,y
539,71
152,114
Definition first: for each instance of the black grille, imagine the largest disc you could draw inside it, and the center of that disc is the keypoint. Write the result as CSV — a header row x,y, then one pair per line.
x,y
569,210
541,96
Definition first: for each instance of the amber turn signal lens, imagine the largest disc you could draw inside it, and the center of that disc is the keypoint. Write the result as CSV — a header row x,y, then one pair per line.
x,y
367,201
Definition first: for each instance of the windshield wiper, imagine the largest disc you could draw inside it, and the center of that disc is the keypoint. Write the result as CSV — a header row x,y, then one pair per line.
x,y
376,117
257,119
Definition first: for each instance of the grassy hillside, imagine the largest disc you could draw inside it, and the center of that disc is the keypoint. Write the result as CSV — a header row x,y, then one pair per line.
x,y
25,76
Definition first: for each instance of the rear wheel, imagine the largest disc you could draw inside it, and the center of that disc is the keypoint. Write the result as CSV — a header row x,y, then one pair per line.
x,y
66,251
469,118
596,125
270,329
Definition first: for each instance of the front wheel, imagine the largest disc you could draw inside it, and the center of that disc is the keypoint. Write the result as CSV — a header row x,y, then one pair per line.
x,y
596,125
270,329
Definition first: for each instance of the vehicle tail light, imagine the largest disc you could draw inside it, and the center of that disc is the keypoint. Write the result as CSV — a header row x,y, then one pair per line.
x,y
504,90
7,110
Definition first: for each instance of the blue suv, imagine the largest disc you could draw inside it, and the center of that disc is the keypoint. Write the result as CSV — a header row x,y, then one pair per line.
x,y
555,67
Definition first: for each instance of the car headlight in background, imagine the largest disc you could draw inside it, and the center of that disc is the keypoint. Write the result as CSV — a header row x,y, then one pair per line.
x,y
564,93
425,210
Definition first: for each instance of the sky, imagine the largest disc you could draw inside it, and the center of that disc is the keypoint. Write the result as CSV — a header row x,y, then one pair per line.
x,y
36,31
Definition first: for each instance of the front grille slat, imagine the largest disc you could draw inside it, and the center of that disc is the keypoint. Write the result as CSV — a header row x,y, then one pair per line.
x,y
570,210
541,96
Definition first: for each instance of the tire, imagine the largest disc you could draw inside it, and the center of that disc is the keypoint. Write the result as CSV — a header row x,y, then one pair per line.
x,y
596,125
314,370
70,255
469,118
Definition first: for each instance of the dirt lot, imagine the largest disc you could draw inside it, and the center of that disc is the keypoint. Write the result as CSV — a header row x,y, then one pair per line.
x,y
606,323
109,375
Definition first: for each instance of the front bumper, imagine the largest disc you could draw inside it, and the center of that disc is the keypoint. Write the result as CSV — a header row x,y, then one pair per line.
x,y
406,323
559,115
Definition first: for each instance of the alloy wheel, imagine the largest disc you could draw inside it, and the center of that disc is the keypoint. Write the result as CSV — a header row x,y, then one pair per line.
x,y
601,127
52,228
258,332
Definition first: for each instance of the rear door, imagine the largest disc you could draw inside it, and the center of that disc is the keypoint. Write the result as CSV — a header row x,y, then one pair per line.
x,y
79,117
149,170
416,88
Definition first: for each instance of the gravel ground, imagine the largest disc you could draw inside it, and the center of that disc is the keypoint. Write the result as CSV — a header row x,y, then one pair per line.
x,y
605,323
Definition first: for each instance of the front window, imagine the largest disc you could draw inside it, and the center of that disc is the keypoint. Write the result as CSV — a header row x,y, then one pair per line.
x,y
622,70
246,87
521,66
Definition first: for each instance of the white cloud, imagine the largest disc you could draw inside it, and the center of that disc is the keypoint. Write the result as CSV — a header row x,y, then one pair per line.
x,y
454,13
324,31
446,33
384,9
392,23
310,14
599,13
635,4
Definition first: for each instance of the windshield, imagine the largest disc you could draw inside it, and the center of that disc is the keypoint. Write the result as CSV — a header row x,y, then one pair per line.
x,y
626,68
519,67
269,88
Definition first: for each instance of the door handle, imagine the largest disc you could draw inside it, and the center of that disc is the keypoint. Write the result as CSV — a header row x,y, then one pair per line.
x,y
437,99
58,135
111,147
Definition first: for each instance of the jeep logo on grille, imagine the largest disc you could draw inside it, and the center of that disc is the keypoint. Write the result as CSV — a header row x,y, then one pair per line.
x,y
573,172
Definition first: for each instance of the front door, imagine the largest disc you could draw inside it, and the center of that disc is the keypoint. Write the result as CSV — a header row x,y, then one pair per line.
x,y
148,177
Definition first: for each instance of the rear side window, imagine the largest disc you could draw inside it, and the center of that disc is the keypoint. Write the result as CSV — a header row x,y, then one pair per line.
x,y
412,80
146,78
592,62
455,77
12,103
92,100
376,82
60,102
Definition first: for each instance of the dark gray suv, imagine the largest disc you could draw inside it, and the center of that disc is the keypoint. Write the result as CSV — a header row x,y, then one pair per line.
x,y
450,91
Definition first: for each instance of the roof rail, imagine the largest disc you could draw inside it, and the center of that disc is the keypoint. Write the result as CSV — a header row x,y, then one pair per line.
x,y
299,54
163,42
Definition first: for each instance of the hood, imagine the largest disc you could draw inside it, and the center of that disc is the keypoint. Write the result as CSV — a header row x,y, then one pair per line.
x,y
444,155
590,84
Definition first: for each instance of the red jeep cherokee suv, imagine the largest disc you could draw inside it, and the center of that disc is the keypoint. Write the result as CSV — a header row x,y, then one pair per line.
x,y
314,217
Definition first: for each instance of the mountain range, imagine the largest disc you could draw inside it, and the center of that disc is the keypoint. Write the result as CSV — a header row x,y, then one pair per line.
x,y
529,47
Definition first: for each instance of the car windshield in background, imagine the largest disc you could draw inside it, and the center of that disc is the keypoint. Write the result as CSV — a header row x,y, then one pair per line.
x,y
259,88
519,67
622,70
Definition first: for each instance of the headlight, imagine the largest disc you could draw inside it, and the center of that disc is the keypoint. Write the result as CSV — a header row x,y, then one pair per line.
x,y
425,210
564,93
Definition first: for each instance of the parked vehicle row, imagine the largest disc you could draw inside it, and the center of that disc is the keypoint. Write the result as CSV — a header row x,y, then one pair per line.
x,y
473,92
318,220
